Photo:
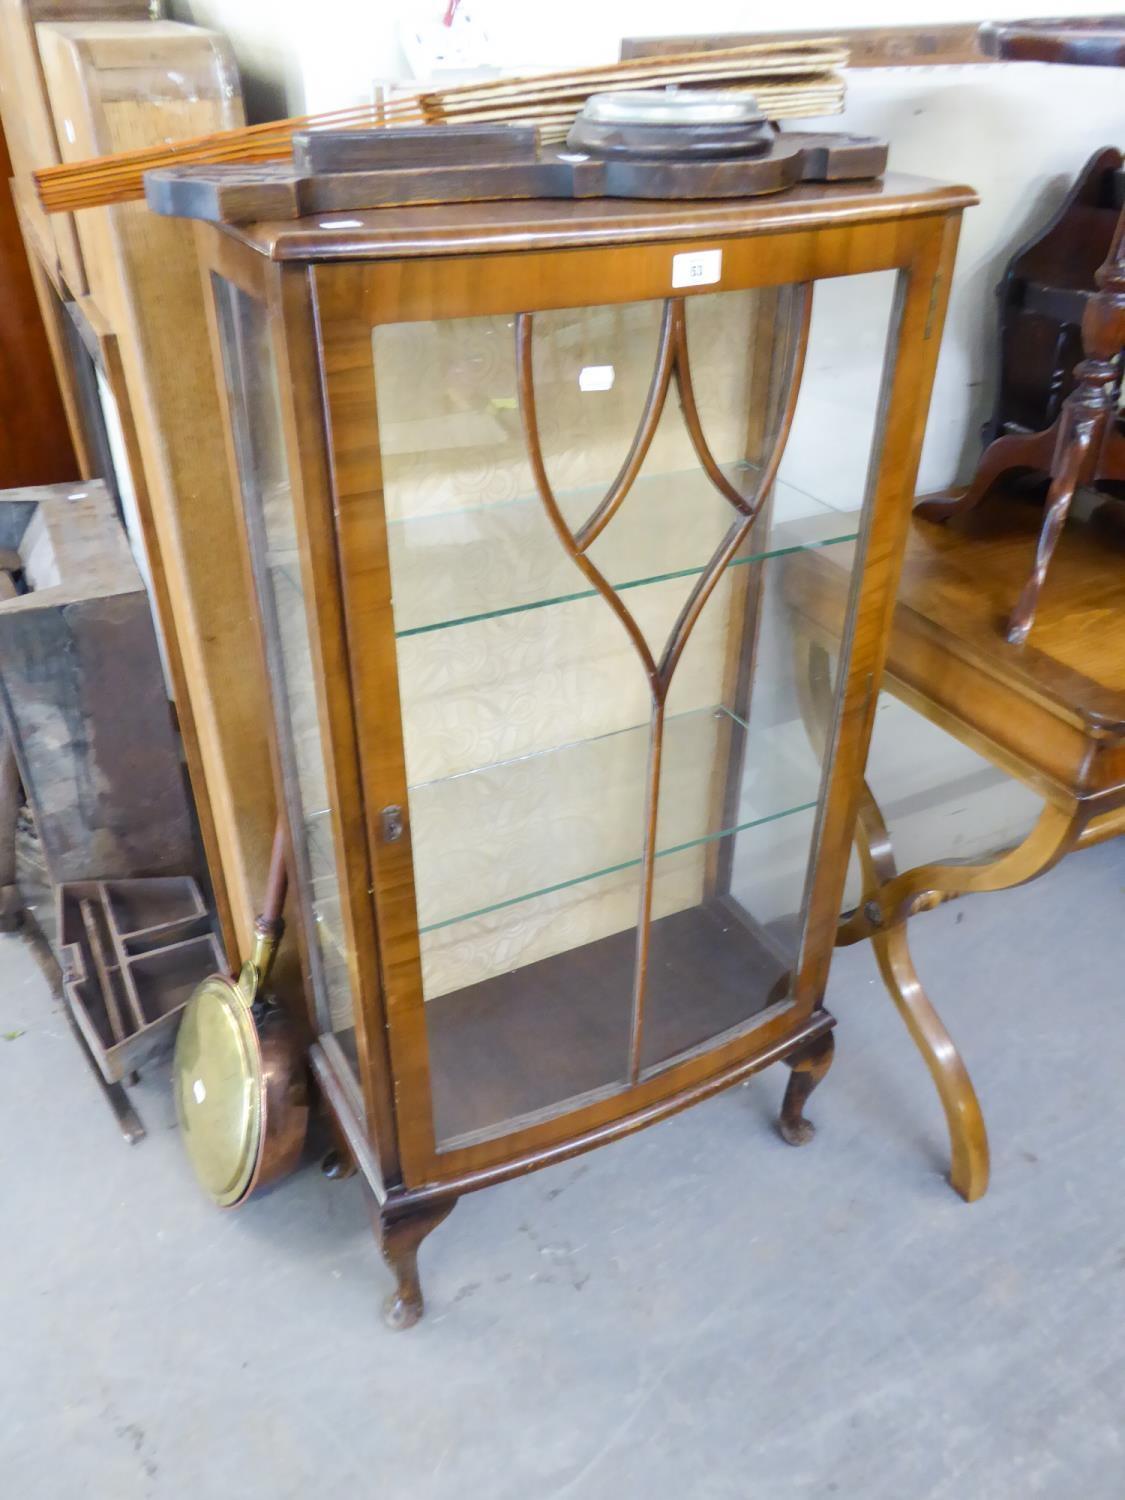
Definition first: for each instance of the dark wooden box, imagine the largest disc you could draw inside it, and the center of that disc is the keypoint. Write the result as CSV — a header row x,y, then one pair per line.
x,y
82,692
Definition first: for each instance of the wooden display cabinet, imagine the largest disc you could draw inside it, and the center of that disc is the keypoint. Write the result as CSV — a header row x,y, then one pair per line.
x,y
563,860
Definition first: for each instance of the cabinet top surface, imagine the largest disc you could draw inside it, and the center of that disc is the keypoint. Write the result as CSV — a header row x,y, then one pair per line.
x,y
553,224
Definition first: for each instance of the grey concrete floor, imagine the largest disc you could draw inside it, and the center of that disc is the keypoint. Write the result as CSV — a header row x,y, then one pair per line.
x,y
699,1311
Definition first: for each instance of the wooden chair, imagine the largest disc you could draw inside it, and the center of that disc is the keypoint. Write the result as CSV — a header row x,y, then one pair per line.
x,y
1051,713
1085,445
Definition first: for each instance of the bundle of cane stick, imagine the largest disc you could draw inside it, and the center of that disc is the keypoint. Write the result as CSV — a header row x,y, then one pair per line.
x,y
788,79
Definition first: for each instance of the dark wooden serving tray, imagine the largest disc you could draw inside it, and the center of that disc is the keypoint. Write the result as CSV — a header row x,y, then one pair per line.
x,y
344,171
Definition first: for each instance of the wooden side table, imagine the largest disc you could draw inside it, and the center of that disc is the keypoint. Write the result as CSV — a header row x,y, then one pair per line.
x,y
1051,714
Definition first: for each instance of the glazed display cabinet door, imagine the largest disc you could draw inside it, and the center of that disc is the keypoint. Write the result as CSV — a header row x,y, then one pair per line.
x,y
592,806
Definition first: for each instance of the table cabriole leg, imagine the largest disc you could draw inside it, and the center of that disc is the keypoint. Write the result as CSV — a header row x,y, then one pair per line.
x,y
968,1137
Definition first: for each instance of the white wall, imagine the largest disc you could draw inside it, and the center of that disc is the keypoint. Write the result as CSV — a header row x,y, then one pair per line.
x,y
324,54
1017,132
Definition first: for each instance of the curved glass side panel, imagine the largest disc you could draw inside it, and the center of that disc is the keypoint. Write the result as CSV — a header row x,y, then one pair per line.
x,y
267,500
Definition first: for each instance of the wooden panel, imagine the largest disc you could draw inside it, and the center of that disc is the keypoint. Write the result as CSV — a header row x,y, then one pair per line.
x,y
26,112
129,85
1081,41
428,288
35,446
868,46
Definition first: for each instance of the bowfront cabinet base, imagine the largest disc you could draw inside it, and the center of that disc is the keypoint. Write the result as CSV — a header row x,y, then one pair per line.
x,y
403,1218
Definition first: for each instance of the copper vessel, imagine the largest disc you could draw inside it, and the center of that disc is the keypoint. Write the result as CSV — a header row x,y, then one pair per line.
x,y
240,1075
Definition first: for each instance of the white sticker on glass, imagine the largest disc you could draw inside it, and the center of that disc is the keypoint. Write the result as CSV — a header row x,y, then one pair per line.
x,y
596,378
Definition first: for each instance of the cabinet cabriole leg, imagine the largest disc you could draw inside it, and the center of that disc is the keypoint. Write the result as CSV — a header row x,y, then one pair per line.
x,y
399,1236
809,1067
337,1163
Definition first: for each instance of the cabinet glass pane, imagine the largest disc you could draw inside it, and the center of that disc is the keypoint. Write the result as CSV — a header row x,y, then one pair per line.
x,y
268,502
730,950
527,712
467,533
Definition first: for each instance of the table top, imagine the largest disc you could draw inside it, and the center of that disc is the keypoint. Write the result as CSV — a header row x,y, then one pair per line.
x,y
960,581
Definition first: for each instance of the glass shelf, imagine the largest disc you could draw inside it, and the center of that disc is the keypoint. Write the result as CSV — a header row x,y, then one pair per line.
x,y
477,563
575,814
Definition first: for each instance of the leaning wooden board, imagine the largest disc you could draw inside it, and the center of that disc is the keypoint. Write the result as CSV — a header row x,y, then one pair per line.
x,y
113,86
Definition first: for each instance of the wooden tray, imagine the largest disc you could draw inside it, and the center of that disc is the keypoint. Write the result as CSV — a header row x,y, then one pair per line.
x,y
342,171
